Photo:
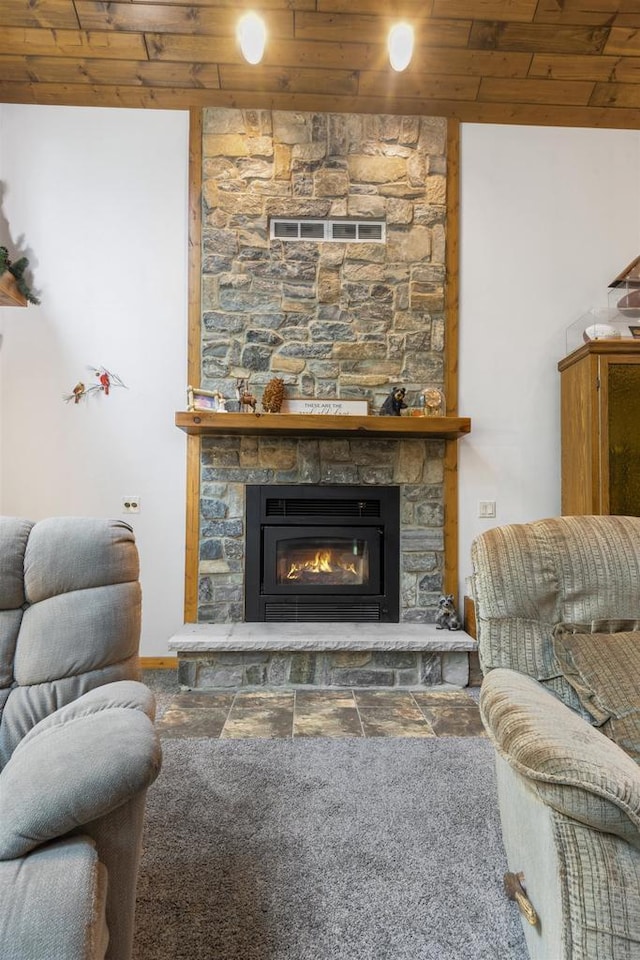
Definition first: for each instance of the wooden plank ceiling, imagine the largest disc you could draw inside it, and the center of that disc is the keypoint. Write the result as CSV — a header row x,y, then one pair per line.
x,y
569,62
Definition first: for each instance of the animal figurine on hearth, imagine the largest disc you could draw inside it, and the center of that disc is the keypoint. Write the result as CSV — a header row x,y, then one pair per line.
x,y
394,403
447,617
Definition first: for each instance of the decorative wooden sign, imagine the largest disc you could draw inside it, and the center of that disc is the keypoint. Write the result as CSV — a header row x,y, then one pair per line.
x,y
327,407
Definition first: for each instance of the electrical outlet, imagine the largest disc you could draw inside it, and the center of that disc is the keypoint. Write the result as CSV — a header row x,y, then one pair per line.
x,y
486,509
131,504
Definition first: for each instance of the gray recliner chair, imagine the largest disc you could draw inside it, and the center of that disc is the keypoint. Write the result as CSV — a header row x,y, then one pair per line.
x,y
78,747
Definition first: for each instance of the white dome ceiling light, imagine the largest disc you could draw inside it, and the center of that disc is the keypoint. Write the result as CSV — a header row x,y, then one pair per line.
x,y
252,37
400,45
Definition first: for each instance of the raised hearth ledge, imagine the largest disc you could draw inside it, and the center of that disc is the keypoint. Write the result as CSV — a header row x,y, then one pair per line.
x,y
298,637
205,422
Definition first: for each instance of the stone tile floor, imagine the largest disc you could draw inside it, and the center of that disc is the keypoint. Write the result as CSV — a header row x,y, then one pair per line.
x,y
268,714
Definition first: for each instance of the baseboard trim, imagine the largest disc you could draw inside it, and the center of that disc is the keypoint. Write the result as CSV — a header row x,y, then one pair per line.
x,y
158,663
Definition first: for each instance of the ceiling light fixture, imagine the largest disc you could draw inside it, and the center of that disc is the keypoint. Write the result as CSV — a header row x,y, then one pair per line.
x,y
400,45
252,37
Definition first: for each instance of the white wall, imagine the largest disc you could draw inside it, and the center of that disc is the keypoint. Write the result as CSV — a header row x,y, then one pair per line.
x,y
549,217
97,199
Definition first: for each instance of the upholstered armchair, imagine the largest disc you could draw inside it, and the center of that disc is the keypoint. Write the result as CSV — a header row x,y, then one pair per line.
x,y
77,743
558,607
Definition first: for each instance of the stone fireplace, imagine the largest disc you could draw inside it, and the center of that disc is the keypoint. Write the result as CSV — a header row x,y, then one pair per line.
x,y
333,320
340,320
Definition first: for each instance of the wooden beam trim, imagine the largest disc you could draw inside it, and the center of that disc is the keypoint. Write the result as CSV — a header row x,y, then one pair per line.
x,y
177,47
452,263
166,98
266,6
421,8
419,86
616,95
335,27
171,18
522,10
300,80
15,41
452,267
192,538
555,66
537,38
120,72
158,663
623,41
52,14
594,13
496,90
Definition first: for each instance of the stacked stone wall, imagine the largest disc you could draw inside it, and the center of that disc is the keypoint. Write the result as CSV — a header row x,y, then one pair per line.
x,y
333,320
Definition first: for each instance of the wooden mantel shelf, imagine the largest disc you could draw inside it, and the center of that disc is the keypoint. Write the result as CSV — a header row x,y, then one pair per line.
x,y
204,422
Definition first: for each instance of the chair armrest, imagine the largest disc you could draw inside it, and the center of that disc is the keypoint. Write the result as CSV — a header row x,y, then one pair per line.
x,y
571,765
53,903
80,763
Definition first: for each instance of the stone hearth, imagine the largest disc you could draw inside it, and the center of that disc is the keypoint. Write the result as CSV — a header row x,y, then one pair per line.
x,y
321,655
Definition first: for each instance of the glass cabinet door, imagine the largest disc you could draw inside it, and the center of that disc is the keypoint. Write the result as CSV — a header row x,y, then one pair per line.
x,y
620,378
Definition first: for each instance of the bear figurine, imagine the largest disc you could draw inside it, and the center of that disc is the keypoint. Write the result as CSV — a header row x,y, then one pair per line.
x,y
394,403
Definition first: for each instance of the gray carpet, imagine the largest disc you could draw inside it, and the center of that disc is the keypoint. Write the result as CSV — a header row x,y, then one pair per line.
x,y
382,849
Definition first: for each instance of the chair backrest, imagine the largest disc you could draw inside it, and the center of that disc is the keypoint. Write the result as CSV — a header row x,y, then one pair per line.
x,y
69,615
529,577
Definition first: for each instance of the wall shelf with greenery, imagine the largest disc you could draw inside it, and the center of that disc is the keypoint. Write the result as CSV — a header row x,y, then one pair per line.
x,y
10,296
14,289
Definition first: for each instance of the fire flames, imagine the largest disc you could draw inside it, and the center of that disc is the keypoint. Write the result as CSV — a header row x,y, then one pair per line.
x,y
322,562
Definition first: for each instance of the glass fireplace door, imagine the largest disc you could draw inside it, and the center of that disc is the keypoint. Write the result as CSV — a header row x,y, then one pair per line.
x,y
319,560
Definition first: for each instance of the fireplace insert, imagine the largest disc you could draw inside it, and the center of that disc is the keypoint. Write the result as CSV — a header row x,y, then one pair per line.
x,y
322,553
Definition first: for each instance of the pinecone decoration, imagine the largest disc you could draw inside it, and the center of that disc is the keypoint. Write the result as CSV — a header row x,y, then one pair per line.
x,y
273,396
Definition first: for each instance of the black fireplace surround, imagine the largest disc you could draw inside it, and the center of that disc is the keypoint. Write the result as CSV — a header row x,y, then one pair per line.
x,y
322,553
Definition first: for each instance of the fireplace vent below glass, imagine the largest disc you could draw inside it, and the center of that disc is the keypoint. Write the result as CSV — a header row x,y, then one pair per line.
x,y
330,611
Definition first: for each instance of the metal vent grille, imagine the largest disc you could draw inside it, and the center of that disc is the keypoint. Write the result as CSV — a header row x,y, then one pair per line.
x,y
369,231
320,507
343,231
311,231
329,612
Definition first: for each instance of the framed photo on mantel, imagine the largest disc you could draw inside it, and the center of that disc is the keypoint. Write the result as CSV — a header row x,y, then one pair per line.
x,y
198,399
329,406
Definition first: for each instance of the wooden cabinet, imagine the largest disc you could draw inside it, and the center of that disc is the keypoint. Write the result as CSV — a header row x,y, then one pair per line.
x,y
600,404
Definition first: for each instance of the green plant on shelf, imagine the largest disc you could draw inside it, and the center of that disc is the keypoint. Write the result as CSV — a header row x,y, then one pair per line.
x,y
16,269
